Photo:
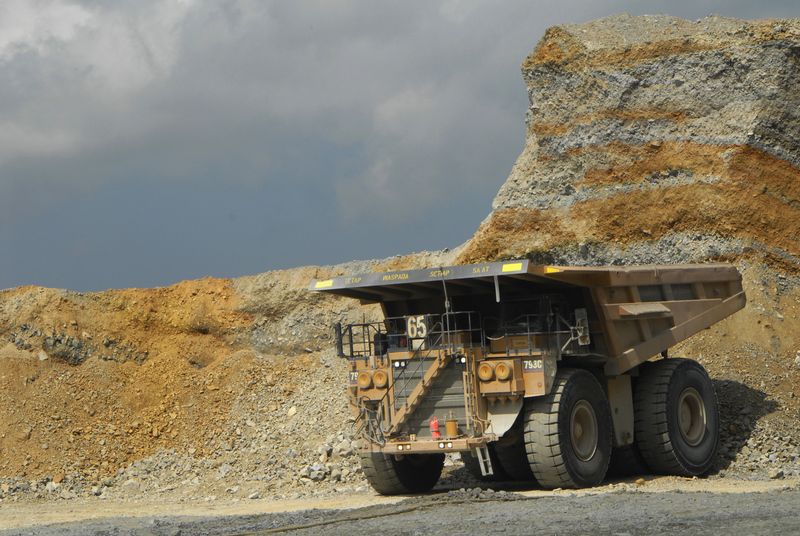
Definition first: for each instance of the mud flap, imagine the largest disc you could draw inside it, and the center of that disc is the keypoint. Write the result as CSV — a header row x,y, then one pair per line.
x,y
502,415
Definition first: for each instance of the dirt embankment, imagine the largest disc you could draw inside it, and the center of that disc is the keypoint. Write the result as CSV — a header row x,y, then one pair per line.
x,y
91,382
201,385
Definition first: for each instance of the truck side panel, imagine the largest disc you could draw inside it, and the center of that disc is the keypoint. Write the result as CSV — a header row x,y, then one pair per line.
x,y
643,320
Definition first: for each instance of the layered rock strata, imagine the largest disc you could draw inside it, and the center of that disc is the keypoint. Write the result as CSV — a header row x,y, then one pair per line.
x,y
656,139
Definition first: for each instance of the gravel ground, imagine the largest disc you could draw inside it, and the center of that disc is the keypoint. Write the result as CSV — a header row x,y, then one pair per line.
x,y
623,510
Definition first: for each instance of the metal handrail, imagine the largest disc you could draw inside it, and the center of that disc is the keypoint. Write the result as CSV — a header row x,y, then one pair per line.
x,y
359,338
406,380
440,331
441,334
362,348
524,325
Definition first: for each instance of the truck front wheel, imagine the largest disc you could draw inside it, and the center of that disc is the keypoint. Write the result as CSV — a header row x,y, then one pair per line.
x,y
568,432
676,417
512,455
398,475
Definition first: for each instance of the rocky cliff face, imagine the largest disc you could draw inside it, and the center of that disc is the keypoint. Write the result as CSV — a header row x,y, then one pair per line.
x,y
656,139
660,140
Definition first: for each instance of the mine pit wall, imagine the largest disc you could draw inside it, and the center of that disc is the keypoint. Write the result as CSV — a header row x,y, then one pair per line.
x,y
655,139
660,140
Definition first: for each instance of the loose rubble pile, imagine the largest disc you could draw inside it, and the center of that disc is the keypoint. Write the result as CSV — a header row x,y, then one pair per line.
x,y
752,446
73,350
277,439
650,140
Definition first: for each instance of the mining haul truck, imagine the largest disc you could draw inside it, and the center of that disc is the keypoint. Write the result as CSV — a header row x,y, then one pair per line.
x,y
532,372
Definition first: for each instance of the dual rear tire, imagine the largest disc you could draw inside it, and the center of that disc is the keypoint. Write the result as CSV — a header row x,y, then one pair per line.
x,y
568,433
676,417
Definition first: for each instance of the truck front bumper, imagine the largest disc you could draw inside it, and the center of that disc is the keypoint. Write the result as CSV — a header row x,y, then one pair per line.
x,y
428,446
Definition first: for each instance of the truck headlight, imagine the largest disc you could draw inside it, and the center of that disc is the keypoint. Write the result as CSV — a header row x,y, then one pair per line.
x,y
503,371
380,379
364,380
485,372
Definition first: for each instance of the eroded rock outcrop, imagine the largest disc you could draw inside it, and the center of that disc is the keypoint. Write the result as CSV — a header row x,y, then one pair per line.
x,y
659,140
656,139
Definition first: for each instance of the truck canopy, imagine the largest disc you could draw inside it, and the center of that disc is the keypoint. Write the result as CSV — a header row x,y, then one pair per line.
x,y
476,278
638,311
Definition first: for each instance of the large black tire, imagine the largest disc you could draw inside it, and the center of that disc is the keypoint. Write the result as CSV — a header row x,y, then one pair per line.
x,y
508,455
473,467
391,475
568,432
676,417
511,453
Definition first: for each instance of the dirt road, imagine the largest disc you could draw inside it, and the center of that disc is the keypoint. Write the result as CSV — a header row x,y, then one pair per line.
x,y
663,506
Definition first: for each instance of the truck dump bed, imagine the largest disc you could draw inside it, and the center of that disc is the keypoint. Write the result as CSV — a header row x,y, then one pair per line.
x,y
640,311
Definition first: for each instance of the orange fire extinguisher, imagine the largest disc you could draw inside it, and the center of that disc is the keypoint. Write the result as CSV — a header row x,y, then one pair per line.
x,y
434,424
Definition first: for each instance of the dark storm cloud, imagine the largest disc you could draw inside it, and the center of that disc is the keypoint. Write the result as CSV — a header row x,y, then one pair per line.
x,y
145,142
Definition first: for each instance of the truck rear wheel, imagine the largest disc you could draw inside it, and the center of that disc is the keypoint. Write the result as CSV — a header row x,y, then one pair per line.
x,y
397,475
676,417
568,432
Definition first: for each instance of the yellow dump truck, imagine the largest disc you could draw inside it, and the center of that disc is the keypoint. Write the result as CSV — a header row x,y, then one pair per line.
x,y
532,372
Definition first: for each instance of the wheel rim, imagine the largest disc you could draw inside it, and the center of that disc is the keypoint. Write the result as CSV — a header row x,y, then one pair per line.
x,y
583,430
691,416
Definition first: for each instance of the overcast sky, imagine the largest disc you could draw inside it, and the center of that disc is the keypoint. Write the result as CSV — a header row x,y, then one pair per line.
x,y
145,142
